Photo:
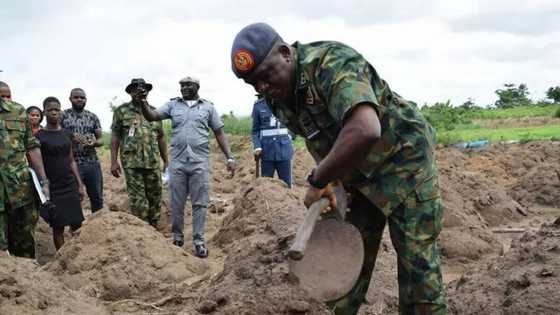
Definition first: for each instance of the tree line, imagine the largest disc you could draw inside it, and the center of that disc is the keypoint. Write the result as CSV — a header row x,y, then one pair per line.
x,y
447,116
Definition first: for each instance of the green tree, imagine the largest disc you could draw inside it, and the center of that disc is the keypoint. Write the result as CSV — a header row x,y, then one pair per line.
x,y
443,116
512,96
553,93
469,105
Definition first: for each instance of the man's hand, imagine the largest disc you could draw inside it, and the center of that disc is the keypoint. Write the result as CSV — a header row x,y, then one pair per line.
x,y
165,165
82,191
46,191
116,169
231,167
257,153
314,194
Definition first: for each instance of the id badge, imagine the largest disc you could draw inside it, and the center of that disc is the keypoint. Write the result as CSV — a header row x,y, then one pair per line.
x,y
131,131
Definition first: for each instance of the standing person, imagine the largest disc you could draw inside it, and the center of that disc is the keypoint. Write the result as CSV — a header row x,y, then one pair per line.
x,y
5,92
365,135
18,209
192,118
86,130
139,141
66,185
272,143
35,115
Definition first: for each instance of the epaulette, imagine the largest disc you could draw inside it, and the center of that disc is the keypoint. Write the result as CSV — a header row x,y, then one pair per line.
x,y
206,101
178,98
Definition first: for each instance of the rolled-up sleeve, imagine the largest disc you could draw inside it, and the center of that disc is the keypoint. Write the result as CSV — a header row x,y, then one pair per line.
x,y
345,81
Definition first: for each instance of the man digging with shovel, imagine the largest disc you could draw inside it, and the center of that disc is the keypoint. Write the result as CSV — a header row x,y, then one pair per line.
x,y
367,137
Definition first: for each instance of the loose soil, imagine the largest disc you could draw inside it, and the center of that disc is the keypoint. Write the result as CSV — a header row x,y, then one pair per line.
x,y
499,246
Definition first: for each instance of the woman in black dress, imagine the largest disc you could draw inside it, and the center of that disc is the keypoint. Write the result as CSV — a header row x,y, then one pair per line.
x,y
66,186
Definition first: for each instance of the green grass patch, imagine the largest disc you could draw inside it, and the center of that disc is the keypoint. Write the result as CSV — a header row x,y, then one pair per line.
x,y
515,112
501,134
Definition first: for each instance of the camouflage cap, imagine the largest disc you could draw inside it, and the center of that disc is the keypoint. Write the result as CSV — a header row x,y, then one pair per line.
x,y
136,82
189,79
250,47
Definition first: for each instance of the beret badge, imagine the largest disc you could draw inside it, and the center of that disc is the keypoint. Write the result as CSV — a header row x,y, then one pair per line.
x,y
243,60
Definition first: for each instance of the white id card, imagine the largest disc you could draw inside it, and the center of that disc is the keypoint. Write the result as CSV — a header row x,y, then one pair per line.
x,y
131,131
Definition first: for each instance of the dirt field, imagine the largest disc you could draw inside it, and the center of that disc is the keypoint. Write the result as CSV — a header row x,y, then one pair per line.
x,y
500,246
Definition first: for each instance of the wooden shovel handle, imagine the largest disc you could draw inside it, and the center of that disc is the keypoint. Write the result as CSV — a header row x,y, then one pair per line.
x,y
304,231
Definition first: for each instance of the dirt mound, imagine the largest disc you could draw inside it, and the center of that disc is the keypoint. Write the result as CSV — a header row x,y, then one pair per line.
x,y
256,277
524,281
266,206
25,288
540,185
473,201
118,256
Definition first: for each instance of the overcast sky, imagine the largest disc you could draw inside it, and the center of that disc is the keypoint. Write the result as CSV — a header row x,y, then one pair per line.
x,y
428,51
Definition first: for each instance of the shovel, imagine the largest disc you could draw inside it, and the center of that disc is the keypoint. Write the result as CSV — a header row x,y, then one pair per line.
x,y
327,253
257,166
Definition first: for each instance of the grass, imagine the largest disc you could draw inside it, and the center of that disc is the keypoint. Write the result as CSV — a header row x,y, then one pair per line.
x,y
500,134
516,112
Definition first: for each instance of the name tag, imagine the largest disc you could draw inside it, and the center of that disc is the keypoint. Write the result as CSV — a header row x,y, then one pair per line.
x,y
131,131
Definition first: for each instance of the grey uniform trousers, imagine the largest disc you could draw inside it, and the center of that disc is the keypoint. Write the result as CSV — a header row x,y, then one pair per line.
x,y
190,178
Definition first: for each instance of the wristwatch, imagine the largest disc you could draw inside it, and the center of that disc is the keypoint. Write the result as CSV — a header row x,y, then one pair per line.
x,y
231,159
43,182
315,183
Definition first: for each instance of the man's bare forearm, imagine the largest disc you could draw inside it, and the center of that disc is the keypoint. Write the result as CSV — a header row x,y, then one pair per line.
x,y
223,142
98,138
360,132
36,161
163,149
115,144
149,114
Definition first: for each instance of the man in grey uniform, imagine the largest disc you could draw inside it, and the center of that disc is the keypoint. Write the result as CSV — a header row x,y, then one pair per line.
x,y
191,118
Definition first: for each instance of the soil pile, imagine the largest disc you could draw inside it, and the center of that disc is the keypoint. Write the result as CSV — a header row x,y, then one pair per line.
x,y
524,281
474,199
496,186
256,277
118,256
25,288
540,185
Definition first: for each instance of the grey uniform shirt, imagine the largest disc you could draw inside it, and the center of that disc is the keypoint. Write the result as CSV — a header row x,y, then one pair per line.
x,y
190,128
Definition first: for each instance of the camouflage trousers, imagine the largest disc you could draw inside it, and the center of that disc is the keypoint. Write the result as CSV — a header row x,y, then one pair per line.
x,y
17,229
144,192
414,227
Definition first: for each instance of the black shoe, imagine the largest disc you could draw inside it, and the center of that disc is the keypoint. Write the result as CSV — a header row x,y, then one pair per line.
x,y
178,243
200,250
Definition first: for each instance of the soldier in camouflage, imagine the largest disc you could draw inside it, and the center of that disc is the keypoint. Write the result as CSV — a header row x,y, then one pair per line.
x,y
140,142
18,206
369,138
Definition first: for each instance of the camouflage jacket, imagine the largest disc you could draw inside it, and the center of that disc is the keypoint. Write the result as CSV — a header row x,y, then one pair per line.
x,y
332,78
15,140
139,137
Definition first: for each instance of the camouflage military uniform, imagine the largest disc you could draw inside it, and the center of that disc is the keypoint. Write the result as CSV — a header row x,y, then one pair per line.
x,y
140,159
18,212
395,183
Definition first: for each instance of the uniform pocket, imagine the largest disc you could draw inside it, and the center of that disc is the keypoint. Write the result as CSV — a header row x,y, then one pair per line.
x,y
428,190
16,134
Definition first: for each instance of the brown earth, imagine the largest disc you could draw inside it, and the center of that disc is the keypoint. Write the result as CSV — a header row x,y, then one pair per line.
x,y
118,264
